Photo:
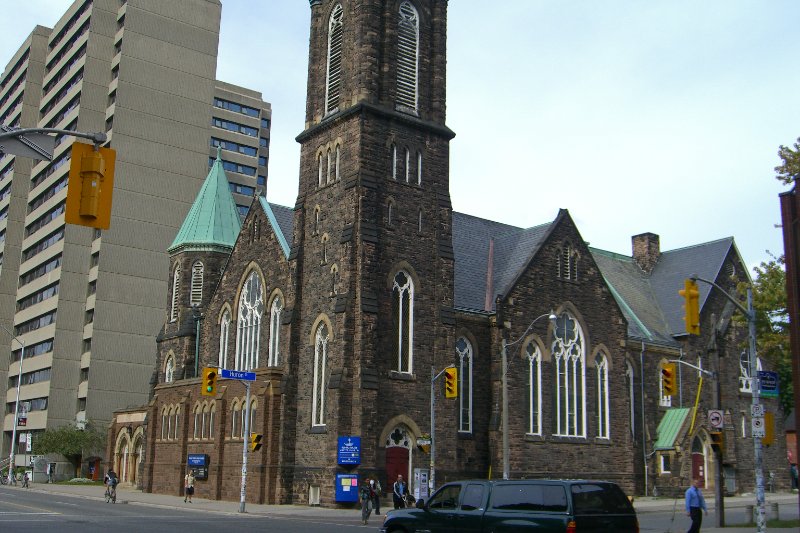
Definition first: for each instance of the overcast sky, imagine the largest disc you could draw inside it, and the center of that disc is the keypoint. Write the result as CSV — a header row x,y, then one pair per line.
x,y
661,115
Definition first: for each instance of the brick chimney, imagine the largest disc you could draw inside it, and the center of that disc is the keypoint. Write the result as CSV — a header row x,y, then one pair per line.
x,y
646,250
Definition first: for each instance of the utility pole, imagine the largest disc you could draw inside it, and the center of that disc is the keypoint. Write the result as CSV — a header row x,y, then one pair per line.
x,y
434,377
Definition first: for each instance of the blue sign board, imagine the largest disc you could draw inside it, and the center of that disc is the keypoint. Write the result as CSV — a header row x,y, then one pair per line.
x,y
349,451
236,374
346,487
769,384
197,459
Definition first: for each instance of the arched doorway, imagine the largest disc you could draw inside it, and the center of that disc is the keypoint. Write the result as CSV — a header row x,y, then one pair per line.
x,y
698,461
398,444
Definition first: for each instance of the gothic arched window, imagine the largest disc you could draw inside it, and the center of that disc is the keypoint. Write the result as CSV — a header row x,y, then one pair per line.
x,y
274,331
169,370
333,81
569,354
320,365
403,317
534,355
224,331
196,295
176,286
419,168
631,397
251,308
464,354
320,171
407,56
394,161
603,411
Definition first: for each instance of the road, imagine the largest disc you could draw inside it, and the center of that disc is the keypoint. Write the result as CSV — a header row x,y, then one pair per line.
x,y
24,511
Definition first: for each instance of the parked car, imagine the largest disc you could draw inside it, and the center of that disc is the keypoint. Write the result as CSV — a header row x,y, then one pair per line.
x,y
541,505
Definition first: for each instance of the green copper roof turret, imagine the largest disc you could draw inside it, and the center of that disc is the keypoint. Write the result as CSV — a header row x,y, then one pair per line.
x,y
213,222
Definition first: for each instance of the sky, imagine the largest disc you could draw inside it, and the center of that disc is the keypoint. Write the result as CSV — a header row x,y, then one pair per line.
x,y
660,116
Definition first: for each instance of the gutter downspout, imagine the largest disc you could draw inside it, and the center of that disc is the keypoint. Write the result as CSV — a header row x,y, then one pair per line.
x,y
644,433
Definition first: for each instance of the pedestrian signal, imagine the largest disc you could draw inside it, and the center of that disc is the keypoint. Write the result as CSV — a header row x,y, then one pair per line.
x,y
255,441
668,383
451,382
691,317
210,376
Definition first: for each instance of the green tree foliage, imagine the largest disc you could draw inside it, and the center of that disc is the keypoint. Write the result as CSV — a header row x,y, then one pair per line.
x,y
71,442
772,324
789,171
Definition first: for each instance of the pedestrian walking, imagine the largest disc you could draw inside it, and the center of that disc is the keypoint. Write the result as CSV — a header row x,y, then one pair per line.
x,y
695,506
399,491
375,487
25,479
188,486
792,469
365,495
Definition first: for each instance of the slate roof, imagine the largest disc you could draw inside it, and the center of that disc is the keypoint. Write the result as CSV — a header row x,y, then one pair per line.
x,y
213,221
281,219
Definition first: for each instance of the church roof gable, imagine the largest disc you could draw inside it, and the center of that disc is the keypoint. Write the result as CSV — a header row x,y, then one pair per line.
x,y
282,221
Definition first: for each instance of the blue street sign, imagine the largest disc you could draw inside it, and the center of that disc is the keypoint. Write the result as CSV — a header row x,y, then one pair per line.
x,y
769,384
236,374
349,451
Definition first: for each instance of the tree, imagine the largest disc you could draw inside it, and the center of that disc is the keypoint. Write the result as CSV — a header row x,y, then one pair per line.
x,y
789,171
772,324
70,442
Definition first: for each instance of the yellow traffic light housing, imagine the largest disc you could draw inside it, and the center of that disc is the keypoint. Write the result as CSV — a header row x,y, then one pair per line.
x,y
669,385
451,382
255,441
90,186
209,383
691,317
718,441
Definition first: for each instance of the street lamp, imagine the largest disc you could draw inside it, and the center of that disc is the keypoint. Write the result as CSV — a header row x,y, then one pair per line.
x,y
552,317
11,456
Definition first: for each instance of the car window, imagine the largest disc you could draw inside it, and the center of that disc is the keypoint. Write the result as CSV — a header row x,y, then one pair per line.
x,y
446,498
473,497
530,497
594,498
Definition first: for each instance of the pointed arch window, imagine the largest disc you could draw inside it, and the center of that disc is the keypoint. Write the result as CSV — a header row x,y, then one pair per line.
x,y
464,354
251,308
408,165
419,168
403,316
333,80
330,166
275,330
169,370
320,366
407,56
631,397
394,161
320,171
534,356
316,220
164,423
236,419
176,286
224,331
197,423
569,354
253,408
390,213
197,284
338,159
211,421
419,221
603,412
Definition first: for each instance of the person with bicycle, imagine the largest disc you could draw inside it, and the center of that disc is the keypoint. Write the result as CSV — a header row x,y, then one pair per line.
x,y
111,480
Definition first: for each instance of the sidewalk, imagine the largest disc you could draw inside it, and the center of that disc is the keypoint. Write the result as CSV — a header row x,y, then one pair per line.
x,y
735,506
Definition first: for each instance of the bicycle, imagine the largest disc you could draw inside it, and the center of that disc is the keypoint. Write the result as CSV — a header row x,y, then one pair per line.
x,y
111,494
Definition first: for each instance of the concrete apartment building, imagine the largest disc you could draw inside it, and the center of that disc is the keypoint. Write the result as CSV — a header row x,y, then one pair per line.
x,y
88,304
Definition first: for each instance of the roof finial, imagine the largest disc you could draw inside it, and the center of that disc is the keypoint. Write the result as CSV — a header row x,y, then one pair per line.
x,y
219,152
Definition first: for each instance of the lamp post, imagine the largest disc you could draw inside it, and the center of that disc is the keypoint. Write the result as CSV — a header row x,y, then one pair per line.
x,y
11,456
504,363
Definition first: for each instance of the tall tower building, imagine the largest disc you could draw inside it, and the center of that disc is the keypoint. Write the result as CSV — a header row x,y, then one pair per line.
x,y
88,304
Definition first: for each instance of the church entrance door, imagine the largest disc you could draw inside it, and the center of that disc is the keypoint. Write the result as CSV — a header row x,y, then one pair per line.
x,y
396,464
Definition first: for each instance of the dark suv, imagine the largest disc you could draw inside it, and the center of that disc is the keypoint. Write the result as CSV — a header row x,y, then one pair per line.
x,y
481,506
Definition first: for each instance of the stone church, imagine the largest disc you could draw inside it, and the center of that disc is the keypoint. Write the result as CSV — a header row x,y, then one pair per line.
x,y
349,304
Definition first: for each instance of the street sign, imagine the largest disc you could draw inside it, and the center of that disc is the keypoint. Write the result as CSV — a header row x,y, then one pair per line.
x,y
757,410
237,374
716,419
757,425
769,384
32,145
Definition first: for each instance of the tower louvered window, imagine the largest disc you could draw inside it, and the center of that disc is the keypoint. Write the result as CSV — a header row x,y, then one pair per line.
x,y
176,285
407,56
333,80
197,283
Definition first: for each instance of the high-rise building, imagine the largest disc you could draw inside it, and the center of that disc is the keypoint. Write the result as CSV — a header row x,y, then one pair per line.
x,y
88,304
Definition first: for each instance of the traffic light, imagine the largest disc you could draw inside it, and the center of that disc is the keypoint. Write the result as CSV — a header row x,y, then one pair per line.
x,y
718,441
90,185
451,382
691,295
210,376
255,441
668,383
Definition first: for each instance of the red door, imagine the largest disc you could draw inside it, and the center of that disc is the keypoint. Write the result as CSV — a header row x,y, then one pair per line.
x,y
699,468
396,464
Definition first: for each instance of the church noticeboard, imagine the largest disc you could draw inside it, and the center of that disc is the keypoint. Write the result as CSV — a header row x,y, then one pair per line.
x,y
346,487
349,451
199,463
769,384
